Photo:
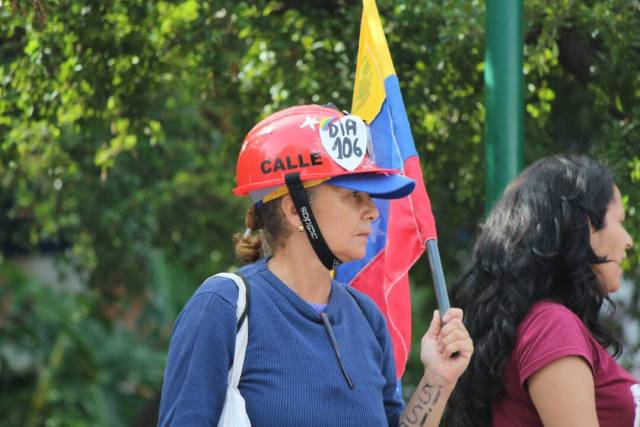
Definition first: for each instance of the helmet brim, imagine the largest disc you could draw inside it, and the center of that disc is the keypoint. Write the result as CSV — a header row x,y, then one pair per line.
x,y
377,185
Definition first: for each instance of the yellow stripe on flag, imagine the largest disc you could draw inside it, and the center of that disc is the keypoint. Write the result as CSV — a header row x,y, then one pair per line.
x,y
374,65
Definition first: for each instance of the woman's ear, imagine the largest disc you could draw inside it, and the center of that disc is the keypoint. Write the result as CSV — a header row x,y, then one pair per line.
x,y
289,212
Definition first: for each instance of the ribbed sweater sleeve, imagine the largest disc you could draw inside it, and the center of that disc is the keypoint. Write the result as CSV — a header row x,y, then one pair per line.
x,y
200,354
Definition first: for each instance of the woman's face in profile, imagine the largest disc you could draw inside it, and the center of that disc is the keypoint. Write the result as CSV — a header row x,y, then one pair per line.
x,y
345,218
611,242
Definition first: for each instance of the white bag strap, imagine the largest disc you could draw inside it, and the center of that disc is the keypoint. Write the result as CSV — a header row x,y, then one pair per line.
x,y
242,336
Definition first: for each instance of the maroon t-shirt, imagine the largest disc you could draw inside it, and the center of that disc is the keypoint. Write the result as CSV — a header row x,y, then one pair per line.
x,y
551,331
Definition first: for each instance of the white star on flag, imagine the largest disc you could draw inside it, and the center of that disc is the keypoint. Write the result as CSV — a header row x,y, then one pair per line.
x,y
310,122
267,129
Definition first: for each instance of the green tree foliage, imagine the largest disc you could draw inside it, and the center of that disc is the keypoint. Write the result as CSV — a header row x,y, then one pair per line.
x,y
120,123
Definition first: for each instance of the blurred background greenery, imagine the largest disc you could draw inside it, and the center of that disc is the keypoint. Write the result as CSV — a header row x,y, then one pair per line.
x,y
120,122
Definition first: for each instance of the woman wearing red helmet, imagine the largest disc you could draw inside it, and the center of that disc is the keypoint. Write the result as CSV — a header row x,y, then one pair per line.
x,y
318,353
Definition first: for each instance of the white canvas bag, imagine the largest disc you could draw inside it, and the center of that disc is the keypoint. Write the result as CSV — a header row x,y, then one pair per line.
x,y
234,412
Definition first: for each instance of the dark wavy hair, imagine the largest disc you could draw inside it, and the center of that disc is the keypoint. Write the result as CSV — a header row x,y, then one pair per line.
x,y
535,244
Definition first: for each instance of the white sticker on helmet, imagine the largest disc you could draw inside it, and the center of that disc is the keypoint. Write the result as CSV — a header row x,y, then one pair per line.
x,y
345,140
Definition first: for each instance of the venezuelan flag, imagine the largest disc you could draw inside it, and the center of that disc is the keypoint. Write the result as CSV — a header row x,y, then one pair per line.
x,y
400,233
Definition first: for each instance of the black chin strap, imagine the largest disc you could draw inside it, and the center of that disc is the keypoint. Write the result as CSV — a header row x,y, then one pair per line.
x,y
320,247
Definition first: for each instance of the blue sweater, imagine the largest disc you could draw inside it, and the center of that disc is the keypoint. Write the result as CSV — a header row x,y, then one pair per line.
x,y
291,374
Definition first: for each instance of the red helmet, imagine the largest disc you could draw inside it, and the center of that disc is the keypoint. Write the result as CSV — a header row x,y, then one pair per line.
x,y
319,143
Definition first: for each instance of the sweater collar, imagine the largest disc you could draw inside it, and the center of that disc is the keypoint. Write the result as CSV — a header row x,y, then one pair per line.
x,y
302,306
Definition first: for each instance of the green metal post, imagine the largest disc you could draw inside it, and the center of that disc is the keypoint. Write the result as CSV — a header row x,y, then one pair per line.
x,y
504,85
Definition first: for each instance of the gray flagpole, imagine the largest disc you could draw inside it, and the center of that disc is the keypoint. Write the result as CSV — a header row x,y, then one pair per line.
x,y
439,283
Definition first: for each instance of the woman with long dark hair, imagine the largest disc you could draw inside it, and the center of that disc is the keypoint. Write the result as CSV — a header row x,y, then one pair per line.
x,y
540,273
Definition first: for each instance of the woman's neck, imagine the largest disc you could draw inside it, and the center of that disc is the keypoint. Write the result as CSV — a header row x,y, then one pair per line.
x,y
303,273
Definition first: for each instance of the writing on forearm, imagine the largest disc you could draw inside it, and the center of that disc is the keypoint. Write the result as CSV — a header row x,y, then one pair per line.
x,y
428,396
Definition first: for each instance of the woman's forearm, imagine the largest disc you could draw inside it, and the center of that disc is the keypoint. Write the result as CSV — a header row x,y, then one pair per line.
x,y
427,404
